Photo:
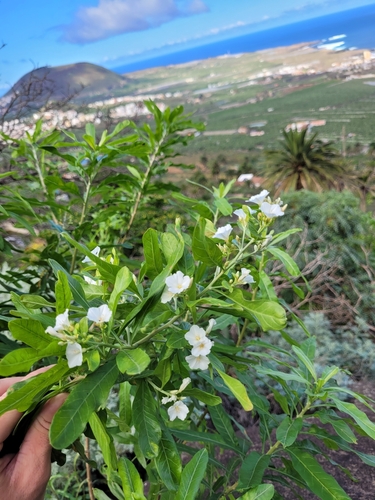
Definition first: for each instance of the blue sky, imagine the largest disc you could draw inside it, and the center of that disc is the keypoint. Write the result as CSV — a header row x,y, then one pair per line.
x,y
115,32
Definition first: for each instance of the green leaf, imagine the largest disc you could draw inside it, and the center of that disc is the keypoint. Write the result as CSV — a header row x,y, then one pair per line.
x,y
205,249
281,375
107,271
151,249
164,371
319,482
205,397
125,402
75,286
204,437
146,423
22,394
288,262
224,207
192,476
105,442
169,245
223,425
132,362
305,361
359,416
30,332
261,492
86,397
168,462
100,495
288,431
123,279
21,360
252,470
238,390
62,293
266,287
281,236
176,340
131,481
270,315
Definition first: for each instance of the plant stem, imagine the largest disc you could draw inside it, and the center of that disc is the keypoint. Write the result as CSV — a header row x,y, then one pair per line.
x,y
88,469
145,181
81,220
41,179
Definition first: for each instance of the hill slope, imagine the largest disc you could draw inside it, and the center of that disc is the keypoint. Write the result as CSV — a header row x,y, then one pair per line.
x,y
60,82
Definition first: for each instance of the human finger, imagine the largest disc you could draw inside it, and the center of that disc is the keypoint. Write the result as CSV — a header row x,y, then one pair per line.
x,y
9,420
33,461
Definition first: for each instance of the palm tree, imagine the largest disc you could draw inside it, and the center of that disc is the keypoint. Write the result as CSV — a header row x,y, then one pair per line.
x,y
303,162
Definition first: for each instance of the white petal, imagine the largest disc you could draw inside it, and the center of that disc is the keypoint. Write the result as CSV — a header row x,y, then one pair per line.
x,y
197,362
90,281
211,324
271,210
166,296
62,321
95,252
178,282
74,354
54,333
258,198
240,213
100,314
195,334
223,232
186,381
245,277
178,410
202,348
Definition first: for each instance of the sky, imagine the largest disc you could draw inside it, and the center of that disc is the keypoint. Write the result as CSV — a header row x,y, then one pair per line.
x,y
112,33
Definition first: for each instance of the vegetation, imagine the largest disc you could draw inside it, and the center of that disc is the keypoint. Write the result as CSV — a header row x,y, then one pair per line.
x,y
157,328
303,162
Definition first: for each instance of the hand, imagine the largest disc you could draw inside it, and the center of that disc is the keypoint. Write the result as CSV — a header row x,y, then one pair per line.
x,y
24,475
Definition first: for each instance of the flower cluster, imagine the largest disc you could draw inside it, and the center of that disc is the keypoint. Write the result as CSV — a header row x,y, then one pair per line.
x,y
178,409
65,331
201,346
175,284
266,206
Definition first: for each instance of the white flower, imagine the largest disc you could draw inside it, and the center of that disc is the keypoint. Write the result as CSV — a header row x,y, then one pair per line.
x,y
245,277
241,214
245,177
223,232
178,410
100,314
175,283
178,282
166,296
259,198
61,323
195,335
95,252
168,399
202,348
271,211
211,324
185,382
74,354
197,362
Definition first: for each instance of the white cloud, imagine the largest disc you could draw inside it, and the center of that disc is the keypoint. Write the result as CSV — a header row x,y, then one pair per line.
x,y
114,17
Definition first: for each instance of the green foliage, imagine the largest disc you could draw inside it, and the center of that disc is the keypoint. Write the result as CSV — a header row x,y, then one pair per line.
x,y
145,317
335,253
303,162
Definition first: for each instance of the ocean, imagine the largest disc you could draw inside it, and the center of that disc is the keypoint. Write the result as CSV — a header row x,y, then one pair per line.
x,y
354,28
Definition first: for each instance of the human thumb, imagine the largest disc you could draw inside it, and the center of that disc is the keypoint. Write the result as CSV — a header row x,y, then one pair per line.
x,y
35,451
